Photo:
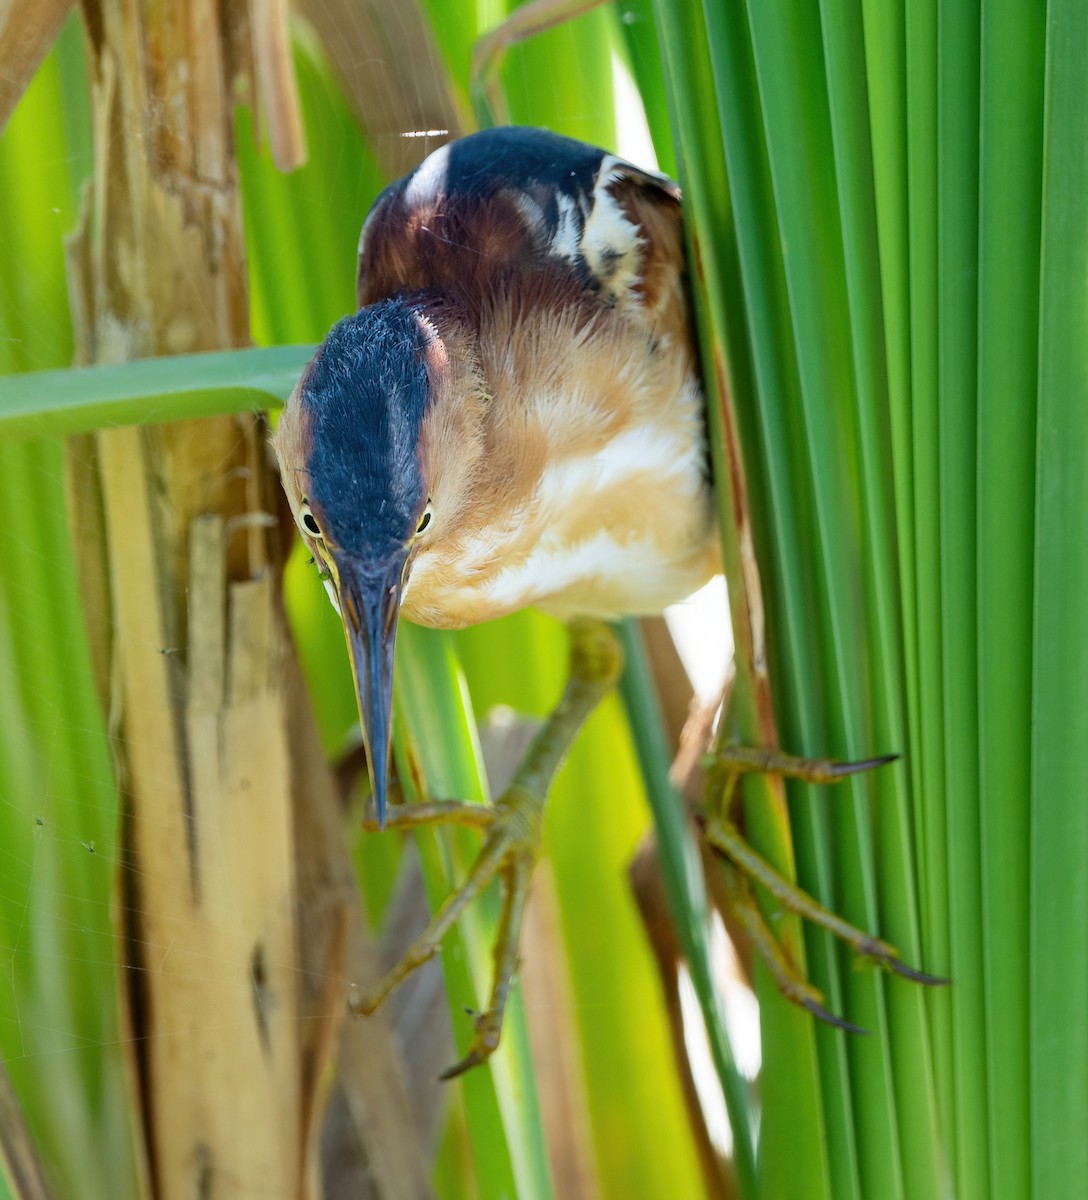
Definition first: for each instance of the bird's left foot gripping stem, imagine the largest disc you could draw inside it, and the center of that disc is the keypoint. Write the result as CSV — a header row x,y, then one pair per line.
x,y
512,828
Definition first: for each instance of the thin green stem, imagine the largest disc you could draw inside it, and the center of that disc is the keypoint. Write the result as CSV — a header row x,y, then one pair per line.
x,y
686,890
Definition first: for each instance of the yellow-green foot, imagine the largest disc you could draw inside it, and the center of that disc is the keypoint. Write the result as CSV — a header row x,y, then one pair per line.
x,y
744,866
513,828
511,847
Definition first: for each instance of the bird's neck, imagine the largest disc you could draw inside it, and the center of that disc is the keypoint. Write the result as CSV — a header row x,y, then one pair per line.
x,y
505,330
566,458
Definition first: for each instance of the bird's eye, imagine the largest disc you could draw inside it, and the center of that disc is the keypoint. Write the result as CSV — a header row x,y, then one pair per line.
x,y
424,520
309,521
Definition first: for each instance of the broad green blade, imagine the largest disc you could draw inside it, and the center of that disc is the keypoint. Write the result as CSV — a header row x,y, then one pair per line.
x,y
151,390
917,458
1059,709
953,411
1010,196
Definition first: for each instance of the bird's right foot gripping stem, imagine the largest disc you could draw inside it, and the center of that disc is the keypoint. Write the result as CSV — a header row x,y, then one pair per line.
x,y
743,867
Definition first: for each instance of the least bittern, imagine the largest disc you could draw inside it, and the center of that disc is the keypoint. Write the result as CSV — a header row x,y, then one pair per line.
x,y
513,417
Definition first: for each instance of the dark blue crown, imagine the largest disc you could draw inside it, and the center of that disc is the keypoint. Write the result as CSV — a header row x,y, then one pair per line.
x,y
366,391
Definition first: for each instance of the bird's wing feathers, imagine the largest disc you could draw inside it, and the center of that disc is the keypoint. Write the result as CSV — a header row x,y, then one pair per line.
x,y
509,197
651,279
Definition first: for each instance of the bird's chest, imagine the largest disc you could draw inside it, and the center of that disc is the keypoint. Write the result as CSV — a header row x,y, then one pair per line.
x,y
619,526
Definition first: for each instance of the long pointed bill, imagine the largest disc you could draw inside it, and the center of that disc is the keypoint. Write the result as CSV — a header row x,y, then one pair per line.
x,y
369,596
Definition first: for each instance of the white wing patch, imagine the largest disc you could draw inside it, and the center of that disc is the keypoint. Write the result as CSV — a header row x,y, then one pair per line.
x,y
426,184
565,241
611,244
597,230
530,209
428,181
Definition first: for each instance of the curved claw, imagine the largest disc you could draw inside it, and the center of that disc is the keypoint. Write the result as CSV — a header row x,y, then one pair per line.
x,y
887,957
829,1018
474,1058
484,1044
840,770
916,976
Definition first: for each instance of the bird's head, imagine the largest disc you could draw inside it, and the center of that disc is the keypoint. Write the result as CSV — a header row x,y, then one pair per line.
x,y
362,466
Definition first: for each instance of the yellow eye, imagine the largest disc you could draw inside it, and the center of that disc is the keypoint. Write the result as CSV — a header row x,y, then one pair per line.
x,y
424,521
308,521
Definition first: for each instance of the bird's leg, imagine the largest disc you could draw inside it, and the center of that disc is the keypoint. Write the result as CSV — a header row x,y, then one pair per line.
x,y
744,866
512,842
